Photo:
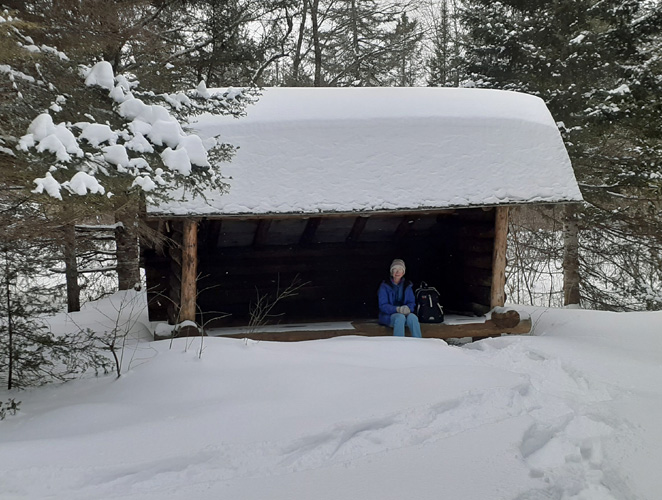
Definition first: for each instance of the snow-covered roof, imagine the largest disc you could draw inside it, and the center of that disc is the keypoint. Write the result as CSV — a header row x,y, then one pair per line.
x,y
326,150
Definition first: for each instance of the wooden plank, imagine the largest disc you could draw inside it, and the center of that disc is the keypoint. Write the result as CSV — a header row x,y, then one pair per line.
x,y
498,294
245,292
288,253
477,293
476,277
478,261
270,267
472,230
476,245
373,329
189,270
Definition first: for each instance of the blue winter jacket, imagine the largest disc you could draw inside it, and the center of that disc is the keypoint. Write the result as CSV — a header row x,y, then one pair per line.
x,y
387,295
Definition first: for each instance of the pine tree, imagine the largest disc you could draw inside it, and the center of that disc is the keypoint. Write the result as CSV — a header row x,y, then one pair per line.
x,y
444,62
30,354
405,59
354,43
94,138
594,63
229,43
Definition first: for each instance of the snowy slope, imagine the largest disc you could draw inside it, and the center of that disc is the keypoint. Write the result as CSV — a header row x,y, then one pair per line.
x,y
571,412
316,150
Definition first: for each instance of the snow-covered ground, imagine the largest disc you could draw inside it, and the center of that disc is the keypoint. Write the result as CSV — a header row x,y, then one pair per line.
x,y
571,412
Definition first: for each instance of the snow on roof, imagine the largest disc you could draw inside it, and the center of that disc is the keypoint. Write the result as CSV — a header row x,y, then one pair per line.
x,y
321,150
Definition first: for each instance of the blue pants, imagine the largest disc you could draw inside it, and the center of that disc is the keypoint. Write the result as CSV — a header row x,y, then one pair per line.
x,y
398,322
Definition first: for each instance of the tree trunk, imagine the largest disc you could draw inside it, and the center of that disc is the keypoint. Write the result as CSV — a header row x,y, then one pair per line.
x,y
317,48
571,277
296,59
354,26
71,267
126,240
10,324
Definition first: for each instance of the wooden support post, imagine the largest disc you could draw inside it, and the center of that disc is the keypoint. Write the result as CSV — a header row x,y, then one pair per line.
x,y
189,270
498,293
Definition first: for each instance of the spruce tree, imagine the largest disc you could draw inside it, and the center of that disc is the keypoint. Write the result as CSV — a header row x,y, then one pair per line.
x,y
595,63
359,43
53,112
443,41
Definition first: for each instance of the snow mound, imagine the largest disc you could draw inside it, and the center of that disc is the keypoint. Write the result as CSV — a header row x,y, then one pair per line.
x,y
569,412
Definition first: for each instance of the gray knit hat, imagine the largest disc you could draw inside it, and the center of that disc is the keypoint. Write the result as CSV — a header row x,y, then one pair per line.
x,y
397,263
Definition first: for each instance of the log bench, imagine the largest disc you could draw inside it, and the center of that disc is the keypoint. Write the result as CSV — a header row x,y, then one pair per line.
x,y
500,322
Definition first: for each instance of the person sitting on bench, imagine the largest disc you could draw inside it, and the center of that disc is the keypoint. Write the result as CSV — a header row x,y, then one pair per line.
x,y
397,302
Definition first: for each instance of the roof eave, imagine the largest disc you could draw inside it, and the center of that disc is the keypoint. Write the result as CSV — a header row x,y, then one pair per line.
x,y
353,213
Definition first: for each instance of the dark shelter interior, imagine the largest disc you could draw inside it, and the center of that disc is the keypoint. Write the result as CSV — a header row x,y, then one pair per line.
x,y
336,262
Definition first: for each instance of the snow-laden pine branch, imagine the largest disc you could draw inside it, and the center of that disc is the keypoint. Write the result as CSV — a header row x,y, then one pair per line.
x,y
148,143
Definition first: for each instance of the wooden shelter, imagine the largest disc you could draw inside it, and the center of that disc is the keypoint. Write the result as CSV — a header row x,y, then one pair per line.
x,y
329,185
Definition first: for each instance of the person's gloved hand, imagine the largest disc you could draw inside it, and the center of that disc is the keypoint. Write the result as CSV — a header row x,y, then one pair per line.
x,y
403,310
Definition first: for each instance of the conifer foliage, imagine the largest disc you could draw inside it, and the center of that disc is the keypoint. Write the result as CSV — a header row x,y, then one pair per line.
x,y
596,64
79,140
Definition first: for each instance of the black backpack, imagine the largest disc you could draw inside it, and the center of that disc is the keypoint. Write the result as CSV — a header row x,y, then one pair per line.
x,y
428,308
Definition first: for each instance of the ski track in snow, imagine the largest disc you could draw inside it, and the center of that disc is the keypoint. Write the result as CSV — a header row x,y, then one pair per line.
x,y
414,427
563,447
343,444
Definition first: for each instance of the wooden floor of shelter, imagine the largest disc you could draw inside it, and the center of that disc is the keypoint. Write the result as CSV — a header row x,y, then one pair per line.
x,y
453,327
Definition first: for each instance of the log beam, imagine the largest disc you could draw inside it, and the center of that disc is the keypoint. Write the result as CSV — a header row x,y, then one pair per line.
x,y
310,230
357,229
262,232
505,318
498,293
403,228
372,329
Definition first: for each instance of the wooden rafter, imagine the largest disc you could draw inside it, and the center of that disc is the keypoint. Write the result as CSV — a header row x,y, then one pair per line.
x,y
357,229
310,230
403,228
262,232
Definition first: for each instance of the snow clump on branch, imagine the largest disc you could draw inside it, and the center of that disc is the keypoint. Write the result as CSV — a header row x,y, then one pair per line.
x,y
149,145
